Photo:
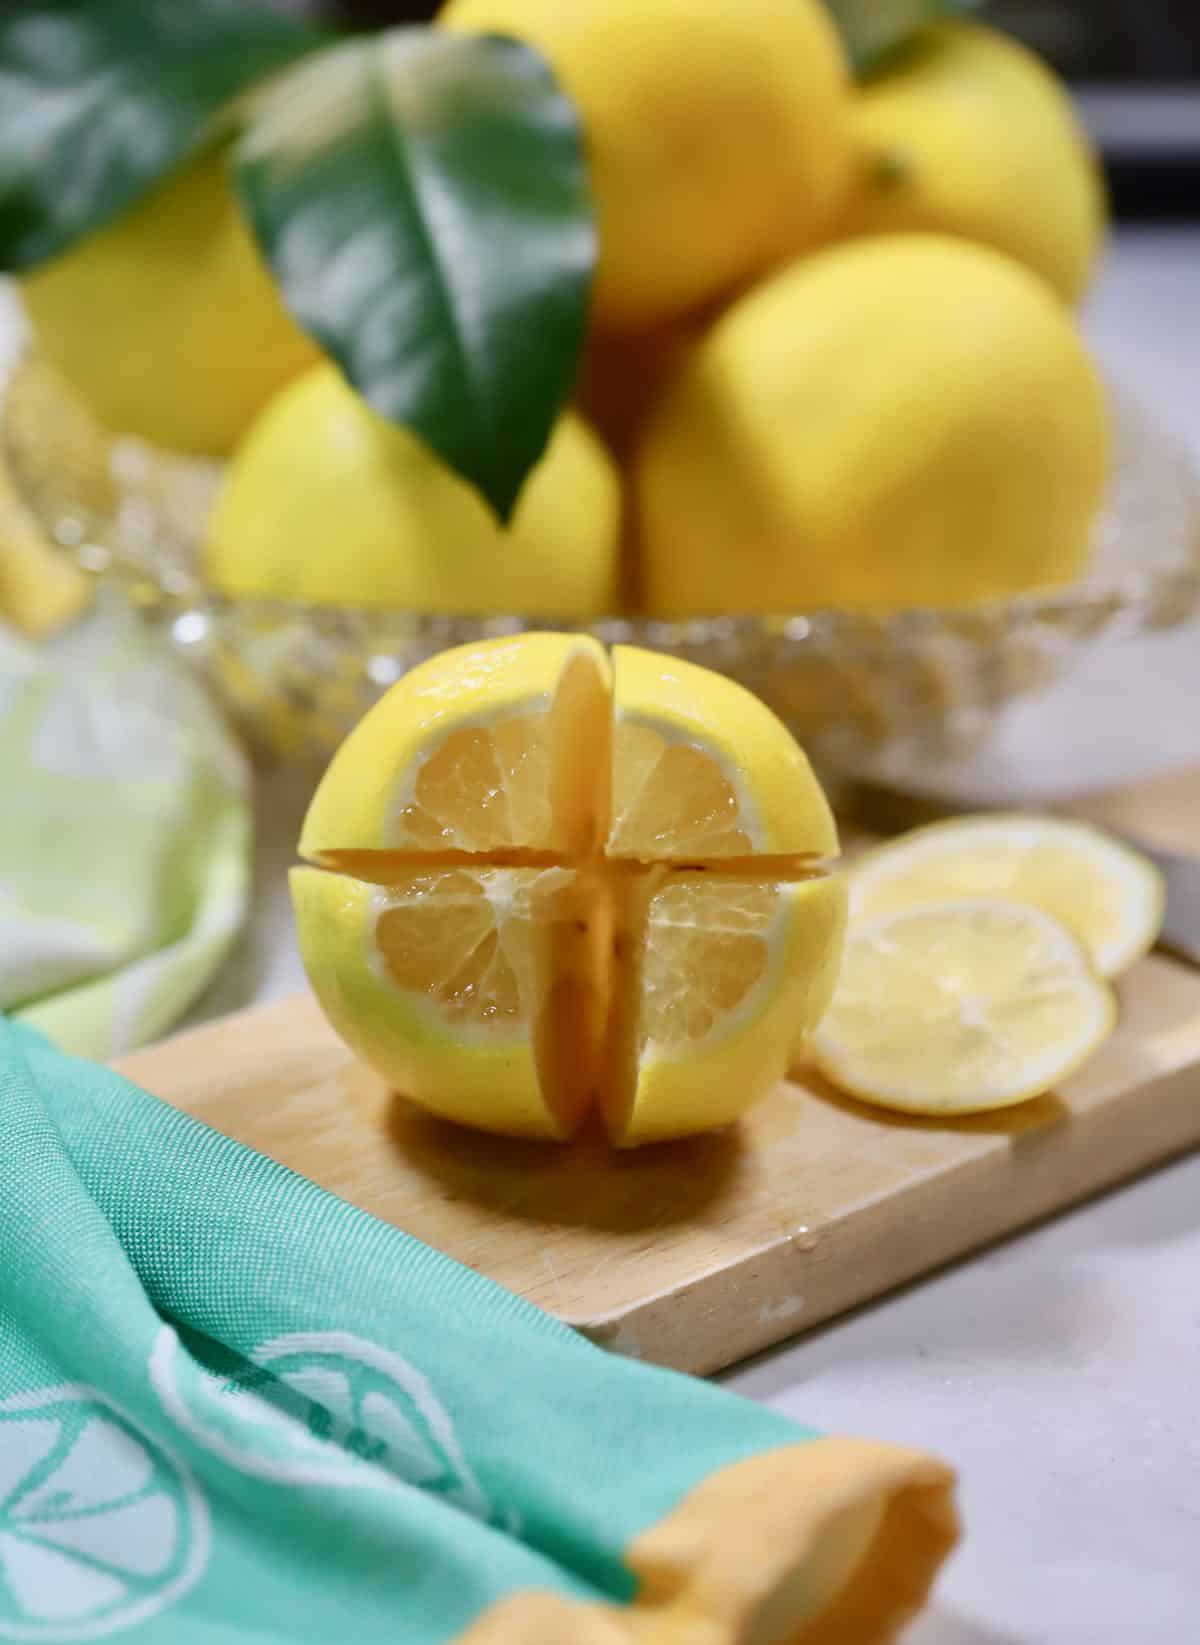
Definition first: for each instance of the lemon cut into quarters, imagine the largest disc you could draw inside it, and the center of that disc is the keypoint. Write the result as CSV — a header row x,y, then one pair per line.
x,y
951,1008
542,880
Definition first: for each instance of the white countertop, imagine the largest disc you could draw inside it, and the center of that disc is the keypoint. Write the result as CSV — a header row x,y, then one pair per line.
x,y
1061,1370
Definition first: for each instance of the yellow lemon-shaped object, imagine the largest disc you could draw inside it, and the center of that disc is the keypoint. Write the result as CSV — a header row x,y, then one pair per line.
x,y
898,421
166,322
956,1007
542,880
970,133
328,502
39,588
717,134
1109,896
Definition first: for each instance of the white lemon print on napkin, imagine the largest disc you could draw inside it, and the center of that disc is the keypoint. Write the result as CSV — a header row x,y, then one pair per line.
x,y
101,1526
322,1407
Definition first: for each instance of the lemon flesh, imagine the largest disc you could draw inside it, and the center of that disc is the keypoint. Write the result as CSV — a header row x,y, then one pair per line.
x,y
730,977
511,929
703,770
900,421
328,503
166,321
479,750
970,133
717,135
1109,896
443,981
955,1007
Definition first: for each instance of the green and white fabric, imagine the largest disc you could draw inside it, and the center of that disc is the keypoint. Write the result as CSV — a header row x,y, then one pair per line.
x,y
235,1409
124,834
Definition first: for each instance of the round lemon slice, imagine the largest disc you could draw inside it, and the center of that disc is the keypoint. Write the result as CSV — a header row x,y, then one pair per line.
x,y
955,1007
1109,896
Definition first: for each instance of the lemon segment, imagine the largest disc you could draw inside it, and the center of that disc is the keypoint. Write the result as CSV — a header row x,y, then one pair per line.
x,y
442,983
1109,897
960,1006
488,747
726,981
702,770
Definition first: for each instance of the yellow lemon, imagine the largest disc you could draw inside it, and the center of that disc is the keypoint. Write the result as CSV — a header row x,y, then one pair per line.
x,y
960,1006
969,133
39,588
898,421
542,880
717,134
166,322
1110,897
326,501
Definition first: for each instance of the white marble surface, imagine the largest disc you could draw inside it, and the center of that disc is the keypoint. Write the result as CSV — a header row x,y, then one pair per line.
x,y
1061,1371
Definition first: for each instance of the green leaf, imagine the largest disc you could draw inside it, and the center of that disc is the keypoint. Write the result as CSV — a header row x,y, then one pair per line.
x,y
872,30
101,98
423,199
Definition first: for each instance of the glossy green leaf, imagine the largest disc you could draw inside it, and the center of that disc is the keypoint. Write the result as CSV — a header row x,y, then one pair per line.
x,y
872,30
423,199
101,98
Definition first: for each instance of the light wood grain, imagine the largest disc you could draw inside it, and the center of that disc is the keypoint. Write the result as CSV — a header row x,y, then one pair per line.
x,y
696,1254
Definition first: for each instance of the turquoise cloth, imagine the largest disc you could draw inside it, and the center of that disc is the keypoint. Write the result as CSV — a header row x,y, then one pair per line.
x,y
234,1408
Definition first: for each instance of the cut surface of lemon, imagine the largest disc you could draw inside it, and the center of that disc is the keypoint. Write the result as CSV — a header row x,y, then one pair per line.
x,y
960,1006
1108,895
543,880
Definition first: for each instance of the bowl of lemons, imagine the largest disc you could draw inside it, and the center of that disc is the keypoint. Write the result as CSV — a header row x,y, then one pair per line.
x,y
831,426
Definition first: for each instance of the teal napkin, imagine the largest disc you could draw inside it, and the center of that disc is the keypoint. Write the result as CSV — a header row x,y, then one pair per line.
x,y
124,834
234,1408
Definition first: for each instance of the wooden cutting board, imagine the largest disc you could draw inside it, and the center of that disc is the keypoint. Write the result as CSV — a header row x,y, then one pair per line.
x,y
696,1254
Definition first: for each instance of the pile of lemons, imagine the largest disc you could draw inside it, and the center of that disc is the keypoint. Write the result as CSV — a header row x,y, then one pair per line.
x,y
833,359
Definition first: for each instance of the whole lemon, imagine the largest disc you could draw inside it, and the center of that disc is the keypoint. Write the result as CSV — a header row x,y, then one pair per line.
x,y
166,322
970,133
892,422
717,135
327,502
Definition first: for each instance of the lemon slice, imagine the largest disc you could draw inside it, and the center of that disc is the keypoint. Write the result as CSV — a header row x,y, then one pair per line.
x,y
1108,895
960,1006
541,882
